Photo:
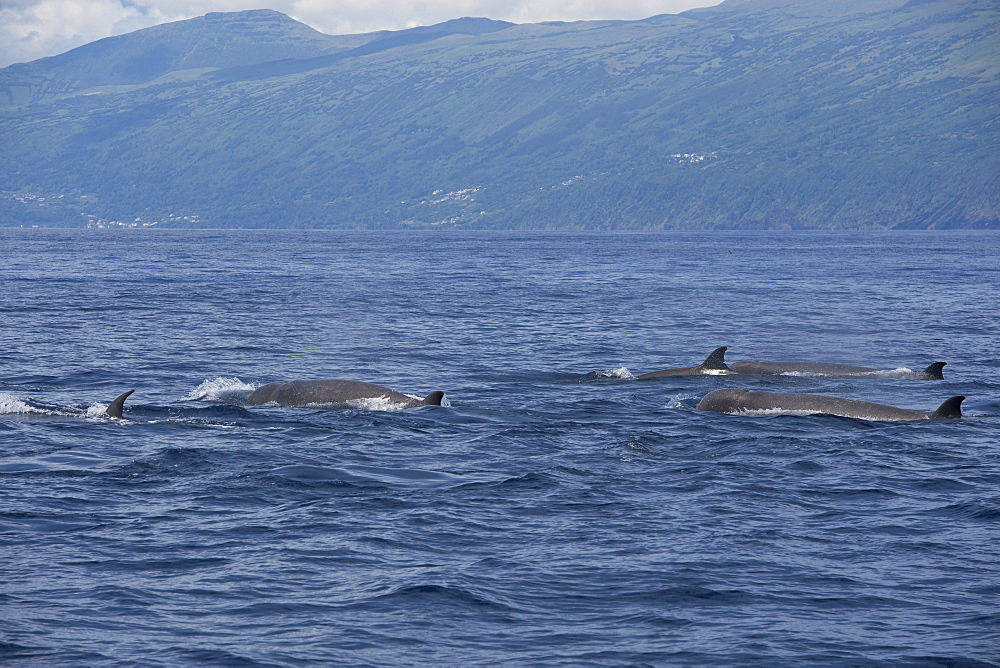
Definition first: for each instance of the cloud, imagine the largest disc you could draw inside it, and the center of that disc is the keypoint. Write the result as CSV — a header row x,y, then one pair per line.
x,y
354,16
31,29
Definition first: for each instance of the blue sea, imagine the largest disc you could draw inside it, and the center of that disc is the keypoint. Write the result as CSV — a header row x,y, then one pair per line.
x,y
555,512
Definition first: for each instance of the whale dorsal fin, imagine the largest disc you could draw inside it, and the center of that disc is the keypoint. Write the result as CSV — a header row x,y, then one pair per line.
x,y
717,360
114,409
935,370
434,398
951,408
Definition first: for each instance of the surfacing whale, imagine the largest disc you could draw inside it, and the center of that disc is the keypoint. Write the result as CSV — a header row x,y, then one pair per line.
x,y
932,372
114,409
335,392
741,401
714,365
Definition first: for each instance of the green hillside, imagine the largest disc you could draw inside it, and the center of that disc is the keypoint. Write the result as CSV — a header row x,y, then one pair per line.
x,y
750,114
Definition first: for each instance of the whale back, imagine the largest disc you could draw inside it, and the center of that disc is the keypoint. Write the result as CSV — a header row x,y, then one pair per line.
x,y
715,363
114,409
830,369
804,368
434,398
334,392
935,371
950,409
740,400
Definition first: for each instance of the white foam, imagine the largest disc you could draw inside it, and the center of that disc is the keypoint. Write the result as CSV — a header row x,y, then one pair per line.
x,y
96,410
895,373
376,404
775,411
11,405
219,389
621,373
901,372
386,404
680,401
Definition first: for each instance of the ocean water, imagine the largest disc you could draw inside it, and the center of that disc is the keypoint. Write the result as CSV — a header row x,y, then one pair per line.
x,y
548,514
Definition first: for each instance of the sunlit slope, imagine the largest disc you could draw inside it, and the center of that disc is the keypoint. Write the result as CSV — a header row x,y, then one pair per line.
x,y
761,113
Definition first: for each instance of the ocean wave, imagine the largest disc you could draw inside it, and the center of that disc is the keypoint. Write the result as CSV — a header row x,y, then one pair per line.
x,y
974,509
545,519
424,595
378,475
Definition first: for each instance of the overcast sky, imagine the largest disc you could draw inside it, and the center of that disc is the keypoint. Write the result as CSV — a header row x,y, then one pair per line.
x,y
31,29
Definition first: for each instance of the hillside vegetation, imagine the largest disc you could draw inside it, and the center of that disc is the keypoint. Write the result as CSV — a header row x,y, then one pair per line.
x,y
750,114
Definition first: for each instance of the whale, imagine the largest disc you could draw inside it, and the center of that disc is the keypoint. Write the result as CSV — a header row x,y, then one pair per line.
x,y
753,367
114,409
742,401
334,391
714,365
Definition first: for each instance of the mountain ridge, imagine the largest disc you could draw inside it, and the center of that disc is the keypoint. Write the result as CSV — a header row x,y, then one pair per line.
x,y
753,114
217,39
